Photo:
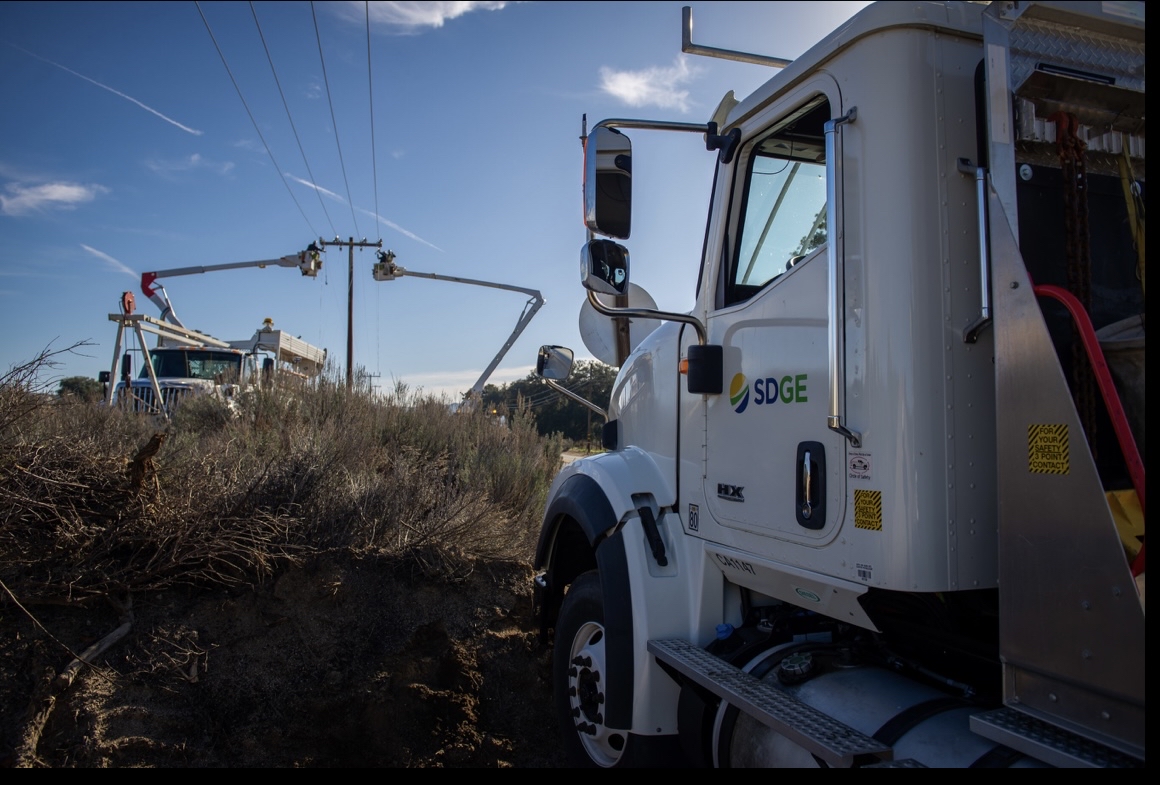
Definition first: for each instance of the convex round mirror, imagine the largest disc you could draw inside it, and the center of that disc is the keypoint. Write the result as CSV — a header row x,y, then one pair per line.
x,y
554,362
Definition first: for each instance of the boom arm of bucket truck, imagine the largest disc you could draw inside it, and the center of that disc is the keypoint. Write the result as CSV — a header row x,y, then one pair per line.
x,y
386,270
308,261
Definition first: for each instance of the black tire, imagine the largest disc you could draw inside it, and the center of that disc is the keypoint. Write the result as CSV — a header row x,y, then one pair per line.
x,y
579,675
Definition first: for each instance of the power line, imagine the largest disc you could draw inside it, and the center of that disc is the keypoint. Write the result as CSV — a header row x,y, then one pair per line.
x,y
269,152
375,178
333,121
286,105
371,94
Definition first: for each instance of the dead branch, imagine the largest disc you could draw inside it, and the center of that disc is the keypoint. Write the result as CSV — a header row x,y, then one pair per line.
x,y
45,697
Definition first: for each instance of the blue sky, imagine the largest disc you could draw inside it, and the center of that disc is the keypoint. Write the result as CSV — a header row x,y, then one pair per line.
x,y
125,148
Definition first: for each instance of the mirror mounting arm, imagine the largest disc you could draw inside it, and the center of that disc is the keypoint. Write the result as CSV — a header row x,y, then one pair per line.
x,y
648,313
577,398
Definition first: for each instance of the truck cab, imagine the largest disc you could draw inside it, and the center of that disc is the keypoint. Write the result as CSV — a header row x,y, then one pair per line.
x,y
868,503
187,363
187,370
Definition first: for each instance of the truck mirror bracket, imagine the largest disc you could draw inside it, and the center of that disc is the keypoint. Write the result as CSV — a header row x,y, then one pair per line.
x,y
726,144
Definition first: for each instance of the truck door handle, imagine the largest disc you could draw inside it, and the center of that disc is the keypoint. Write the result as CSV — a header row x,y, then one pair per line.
x,y
807,495
810,498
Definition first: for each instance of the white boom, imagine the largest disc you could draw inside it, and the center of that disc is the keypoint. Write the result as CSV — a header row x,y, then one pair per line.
x,y
308,261
386,270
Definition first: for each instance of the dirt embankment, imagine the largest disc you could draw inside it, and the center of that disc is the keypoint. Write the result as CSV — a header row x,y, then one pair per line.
x,y
337,663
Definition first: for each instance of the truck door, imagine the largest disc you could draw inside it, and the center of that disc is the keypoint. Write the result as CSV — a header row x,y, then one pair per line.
x,y
772,466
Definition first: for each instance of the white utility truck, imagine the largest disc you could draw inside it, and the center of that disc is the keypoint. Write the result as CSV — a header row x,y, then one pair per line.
x,y
187,363
876,500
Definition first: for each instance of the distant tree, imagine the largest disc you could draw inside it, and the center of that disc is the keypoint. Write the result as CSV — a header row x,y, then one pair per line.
x,y
553,412
82,387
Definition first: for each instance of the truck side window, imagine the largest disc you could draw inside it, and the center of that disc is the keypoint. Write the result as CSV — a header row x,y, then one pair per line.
x,y
784,206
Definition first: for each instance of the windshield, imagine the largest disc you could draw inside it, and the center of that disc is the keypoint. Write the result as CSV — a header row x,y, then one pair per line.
x,y
195,364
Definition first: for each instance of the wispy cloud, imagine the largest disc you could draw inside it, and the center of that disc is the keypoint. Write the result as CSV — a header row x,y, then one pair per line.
x,y
455,383
371,213
411,17
399,229
21,198
318,188
655,86
129,98
116,264
195,161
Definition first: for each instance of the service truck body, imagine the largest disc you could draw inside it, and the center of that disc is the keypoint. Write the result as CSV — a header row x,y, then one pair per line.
x,y
889,510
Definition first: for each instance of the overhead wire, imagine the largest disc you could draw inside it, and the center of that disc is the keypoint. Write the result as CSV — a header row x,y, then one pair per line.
x,y
333,121
293,128
375,179
258,130
371,94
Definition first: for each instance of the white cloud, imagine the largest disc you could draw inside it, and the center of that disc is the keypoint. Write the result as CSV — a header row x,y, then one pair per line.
x,y
194,161
655,86
411,17
318,188
129,98
399,229
371,213
454,383
116,264
20,199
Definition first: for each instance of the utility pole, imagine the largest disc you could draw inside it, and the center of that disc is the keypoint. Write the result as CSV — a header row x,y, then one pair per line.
x,y
351,245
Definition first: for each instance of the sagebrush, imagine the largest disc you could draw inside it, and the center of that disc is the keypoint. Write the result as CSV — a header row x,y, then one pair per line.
x,y
233,494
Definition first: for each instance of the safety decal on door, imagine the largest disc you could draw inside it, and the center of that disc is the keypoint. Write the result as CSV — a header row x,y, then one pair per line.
x,y
859,463
868,510
1047,449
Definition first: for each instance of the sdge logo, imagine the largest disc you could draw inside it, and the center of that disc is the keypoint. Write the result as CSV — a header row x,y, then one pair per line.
x,y
787,389
739,393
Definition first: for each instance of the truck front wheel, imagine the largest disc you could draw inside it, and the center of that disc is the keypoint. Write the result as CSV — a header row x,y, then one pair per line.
x,y
580,676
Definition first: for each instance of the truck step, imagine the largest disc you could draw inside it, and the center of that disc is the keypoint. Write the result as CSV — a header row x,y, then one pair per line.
x,y
904,763
1046,742
837,744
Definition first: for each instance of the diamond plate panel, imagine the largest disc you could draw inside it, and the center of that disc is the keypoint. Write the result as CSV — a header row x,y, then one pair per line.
x,y
1034,41
1047,742
834,742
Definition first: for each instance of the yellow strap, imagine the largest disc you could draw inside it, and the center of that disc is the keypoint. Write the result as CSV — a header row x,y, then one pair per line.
x,y
1135,207
1129,519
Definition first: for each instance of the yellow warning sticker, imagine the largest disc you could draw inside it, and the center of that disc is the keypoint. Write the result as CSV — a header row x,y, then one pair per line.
x,y
1047,449
868,510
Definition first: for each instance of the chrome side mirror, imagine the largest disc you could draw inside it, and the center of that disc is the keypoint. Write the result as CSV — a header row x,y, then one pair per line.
x,y
608,183
554,362
604,267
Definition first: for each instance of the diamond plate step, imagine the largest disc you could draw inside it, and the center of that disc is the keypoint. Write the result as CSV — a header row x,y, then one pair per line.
x,y
1047,742
820,734
905,763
